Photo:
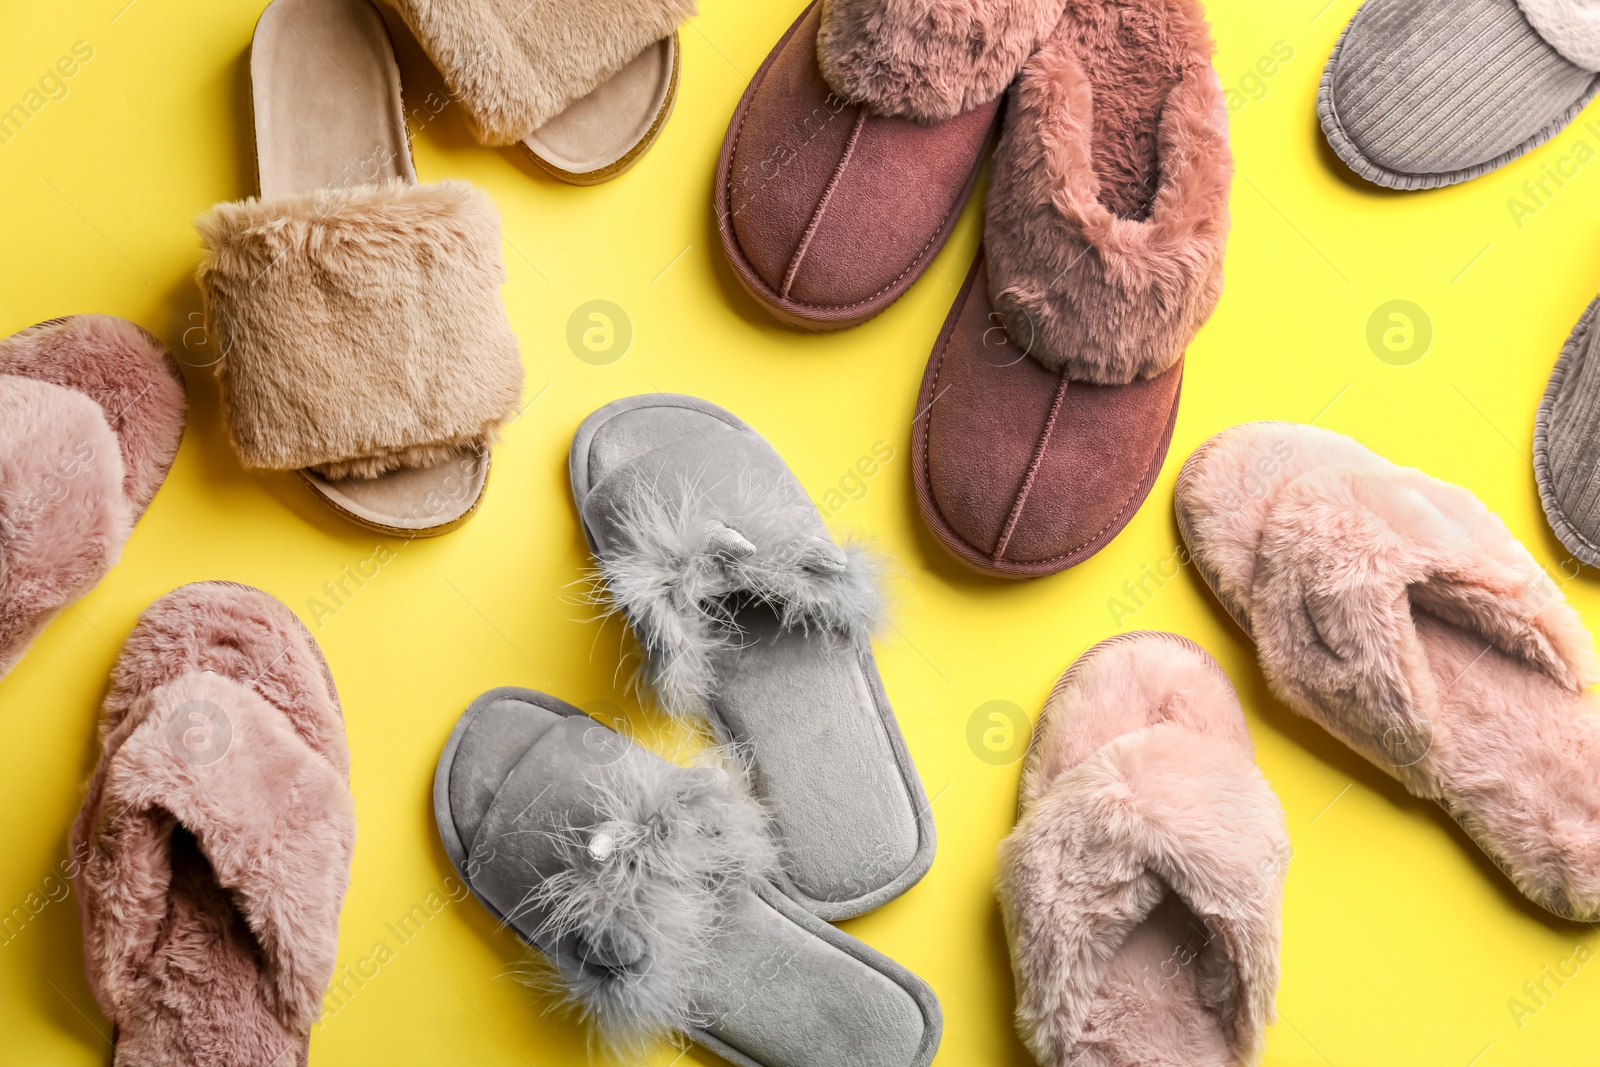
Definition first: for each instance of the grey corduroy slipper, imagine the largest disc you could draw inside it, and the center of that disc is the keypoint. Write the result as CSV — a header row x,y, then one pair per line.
x,y
642,884
1566,443
750,615
1424,93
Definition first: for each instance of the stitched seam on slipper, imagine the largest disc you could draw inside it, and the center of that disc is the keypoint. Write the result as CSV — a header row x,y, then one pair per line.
x,y
955,210
922,449
822,205
1033,469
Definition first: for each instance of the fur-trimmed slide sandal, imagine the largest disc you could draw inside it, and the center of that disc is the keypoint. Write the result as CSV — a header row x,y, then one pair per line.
x,y
853,151
91,416
1423,93
218,828
583,88
1107,221
747,612
1142,888
364,341
641,883
1400,614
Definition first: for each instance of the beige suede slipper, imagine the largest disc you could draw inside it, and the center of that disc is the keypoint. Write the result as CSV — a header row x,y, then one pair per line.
x,y
583,89
364,341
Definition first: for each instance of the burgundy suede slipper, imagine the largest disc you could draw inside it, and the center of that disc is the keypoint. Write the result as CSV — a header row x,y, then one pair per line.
x,y
91,414
856,145
1049,401
216,834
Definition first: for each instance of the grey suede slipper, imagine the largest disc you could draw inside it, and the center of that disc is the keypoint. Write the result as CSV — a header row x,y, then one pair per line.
x,y
1566,444
750,614
1424,93
641,883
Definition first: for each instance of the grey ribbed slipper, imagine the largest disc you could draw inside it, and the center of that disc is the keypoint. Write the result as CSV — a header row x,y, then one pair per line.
x,y
1566,444
1423,93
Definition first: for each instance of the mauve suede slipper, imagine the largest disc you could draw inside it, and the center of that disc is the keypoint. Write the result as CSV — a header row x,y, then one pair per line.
x,y
853,151
1419,94
748,614
1142,888
91,415
217,834
642,884
1049,400
1399,613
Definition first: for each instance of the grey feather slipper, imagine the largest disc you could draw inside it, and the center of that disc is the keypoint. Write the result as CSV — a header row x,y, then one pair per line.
x,y
1566,443
1424,93
641,882
749,614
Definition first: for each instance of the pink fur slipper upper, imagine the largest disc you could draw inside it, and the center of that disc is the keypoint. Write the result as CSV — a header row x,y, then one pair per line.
x,y
1143,884
91,414
1400,614
218,829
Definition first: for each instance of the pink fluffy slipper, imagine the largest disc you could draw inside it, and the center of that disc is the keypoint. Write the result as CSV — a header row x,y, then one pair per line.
x,y
91,414
1142,887
1400,614
218,828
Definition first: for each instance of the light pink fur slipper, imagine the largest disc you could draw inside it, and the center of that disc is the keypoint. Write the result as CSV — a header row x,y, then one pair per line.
x,y
1142,888
1399,613
218,829
91,415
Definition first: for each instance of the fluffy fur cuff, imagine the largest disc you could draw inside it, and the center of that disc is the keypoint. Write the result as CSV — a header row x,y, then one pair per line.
x,y
1108,299
647,885
689,557
361,329
928,59
1571,27
516,64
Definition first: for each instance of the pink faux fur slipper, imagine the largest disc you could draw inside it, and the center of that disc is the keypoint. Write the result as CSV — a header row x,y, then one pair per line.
x,y
1400,614
91,414
1143,885
218,829
1059,368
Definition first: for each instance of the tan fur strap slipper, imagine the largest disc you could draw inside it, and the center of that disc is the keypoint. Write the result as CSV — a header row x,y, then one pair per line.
x,y
363,337
218,831
585,88
1400,614
1143,885
363,326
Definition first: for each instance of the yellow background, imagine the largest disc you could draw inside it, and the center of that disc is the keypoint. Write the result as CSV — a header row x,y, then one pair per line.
x,y
1402,945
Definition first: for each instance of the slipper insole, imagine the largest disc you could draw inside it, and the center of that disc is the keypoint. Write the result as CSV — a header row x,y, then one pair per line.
x,y
791,699
1147,1010
329,114
204,978
1130,54
1522,759
597,130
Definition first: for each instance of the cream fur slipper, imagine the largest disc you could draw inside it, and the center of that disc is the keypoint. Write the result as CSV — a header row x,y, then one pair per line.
x,y
364,341
643,886
1400,614
91,415
1142,888
218,829
584,89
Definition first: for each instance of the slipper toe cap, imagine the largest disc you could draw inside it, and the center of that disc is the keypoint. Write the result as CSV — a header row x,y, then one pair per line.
x,y
125,370
827,212
1426,92
1022,472
1226,490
